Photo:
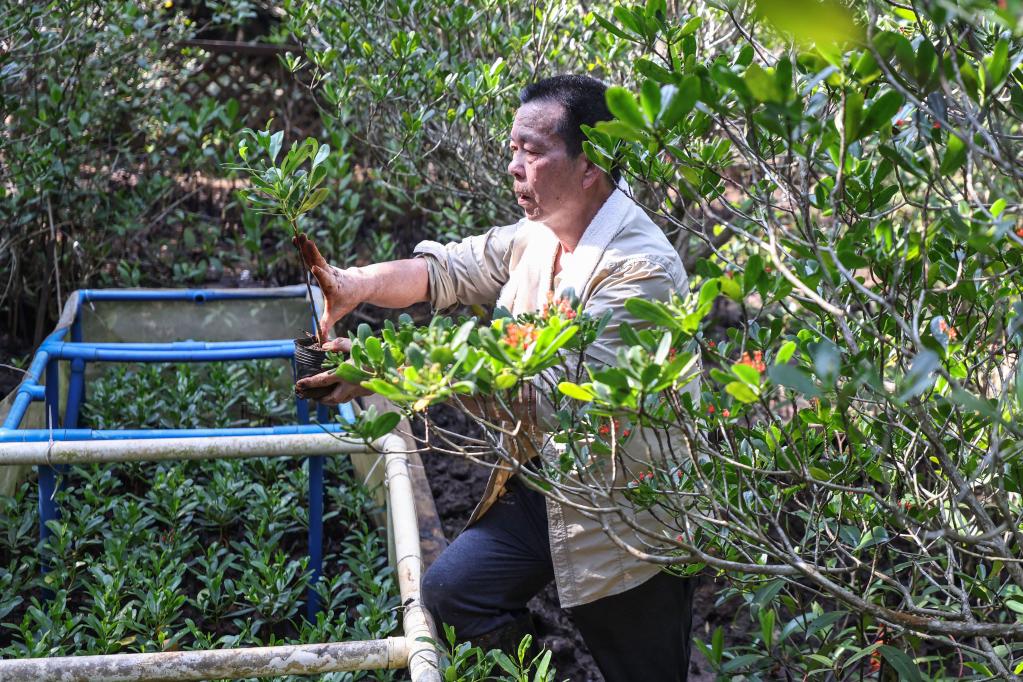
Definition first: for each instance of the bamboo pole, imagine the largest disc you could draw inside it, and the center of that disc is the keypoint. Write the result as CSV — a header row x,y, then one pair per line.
x,y
157,449
303,659
417,624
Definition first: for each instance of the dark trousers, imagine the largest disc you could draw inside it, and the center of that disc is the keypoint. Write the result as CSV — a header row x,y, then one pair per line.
x,y
483,580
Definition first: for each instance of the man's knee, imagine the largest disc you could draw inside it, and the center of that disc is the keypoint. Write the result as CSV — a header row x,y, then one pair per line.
x,y
440,591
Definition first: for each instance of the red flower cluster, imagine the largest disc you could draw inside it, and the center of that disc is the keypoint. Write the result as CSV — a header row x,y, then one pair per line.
x,y
947,330
643,476
605,429
875,655
560,307
519,335
1019,233
756,362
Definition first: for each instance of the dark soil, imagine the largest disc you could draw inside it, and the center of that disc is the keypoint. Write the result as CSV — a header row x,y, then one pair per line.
x,y
457,485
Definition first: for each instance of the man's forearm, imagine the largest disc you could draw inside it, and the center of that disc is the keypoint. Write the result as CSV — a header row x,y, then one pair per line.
x,y
393,284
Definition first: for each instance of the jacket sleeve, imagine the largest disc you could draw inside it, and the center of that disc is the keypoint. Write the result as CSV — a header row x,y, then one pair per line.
x,y
636,278
471,271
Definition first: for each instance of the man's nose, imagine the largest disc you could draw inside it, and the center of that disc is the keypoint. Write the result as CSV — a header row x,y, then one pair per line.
x,y
515,168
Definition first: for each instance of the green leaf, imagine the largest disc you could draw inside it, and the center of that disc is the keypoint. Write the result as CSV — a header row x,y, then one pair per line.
x,y
955,155
690,27
623,105
612,28
576,391
852,115
651,311
351,373
384,424
901,663
657,72
997,64
314,200
920,376
825,22
650,99
877,535
321,155
730,288
767,618
505,662
681,102
741,392
620,130
785,353
761,84
747,374
276,140
794,378
881,112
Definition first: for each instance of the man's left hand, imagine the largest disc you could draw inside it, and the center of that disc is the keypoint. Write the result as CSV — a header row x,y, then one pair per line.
x,y
343,391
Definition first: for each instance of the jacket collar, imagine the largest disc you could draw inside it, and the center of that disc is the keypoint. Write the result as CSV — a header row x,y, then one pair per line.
x,y
578,267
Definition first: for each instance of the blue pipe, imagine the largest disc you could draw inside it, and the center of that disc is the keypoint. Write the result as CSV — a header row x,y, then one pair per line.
x,y
27,391
180,345
194,295
312,599
68,351
47,475
35,392
312,602
76,385
43,435
75,391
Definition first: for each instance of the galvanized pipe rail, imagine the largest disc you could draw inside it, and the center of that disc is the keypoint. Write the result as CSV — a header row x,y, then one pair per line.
x,y
270,661
305,659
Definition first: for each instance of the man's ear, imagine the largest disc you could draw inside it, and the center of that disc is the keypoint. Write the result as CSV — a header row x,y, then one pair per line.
x,y
592,173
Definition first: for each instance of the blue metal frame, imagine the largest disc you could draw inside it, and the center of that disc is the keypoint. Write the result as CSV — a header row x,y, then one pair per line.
x,y
55,349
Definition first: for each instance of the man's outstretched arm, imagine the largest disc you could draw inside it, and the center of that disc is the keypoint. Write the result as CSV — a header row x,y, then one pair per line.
x,y
394,284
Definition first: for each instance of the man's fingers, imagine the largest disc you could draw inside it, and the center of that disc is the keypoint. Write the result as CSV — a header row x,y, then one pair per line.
x,y
342,345
310,254
324,277
319,380
344,393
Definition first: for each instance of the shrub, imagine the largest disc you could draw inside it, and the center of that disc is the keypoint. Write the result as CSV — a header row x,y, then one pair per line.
x,y
853,460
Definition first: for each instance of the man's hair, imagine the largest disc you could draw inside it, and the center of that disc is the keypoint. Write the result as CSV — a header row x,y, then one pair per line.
x,y
582,98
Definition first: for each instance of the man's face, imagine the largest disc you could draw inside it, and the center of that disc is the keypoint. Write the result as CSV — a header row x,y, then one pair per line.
x,y
548,181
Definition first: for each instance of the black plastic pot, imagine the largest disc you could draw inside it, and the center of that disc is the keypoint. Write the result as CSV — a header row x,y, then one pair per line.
x,y
309,361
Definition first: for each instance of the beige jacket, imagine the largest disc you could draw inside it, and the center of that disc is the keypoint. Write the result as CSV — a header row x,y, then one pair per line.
x,y
622,255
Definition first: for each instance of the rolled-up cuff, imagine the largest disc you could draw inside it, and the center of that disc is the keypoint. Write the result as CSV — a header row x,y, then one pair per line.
x,y
442,289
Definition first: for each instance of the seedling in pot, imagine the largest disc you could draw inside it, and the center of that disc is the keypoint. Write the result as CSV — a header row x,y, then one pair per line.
x,y
289,189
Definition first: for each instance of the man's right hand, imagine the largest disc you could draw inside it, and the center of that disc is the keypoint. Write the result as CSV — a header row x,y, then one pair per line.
x,y
340,293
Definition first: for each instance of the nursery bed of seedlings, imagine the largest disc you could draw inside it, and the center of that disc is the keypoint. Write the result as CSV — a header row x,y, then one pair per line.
x,y
187,555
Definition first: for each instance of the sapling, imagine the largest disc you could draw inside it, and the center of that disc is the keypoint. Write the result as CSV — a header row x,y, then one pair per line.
x,y
289,189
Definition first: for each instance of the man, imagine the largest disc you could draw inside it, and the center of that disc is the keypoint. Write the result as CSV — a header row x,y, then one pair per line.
x,y
579,233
